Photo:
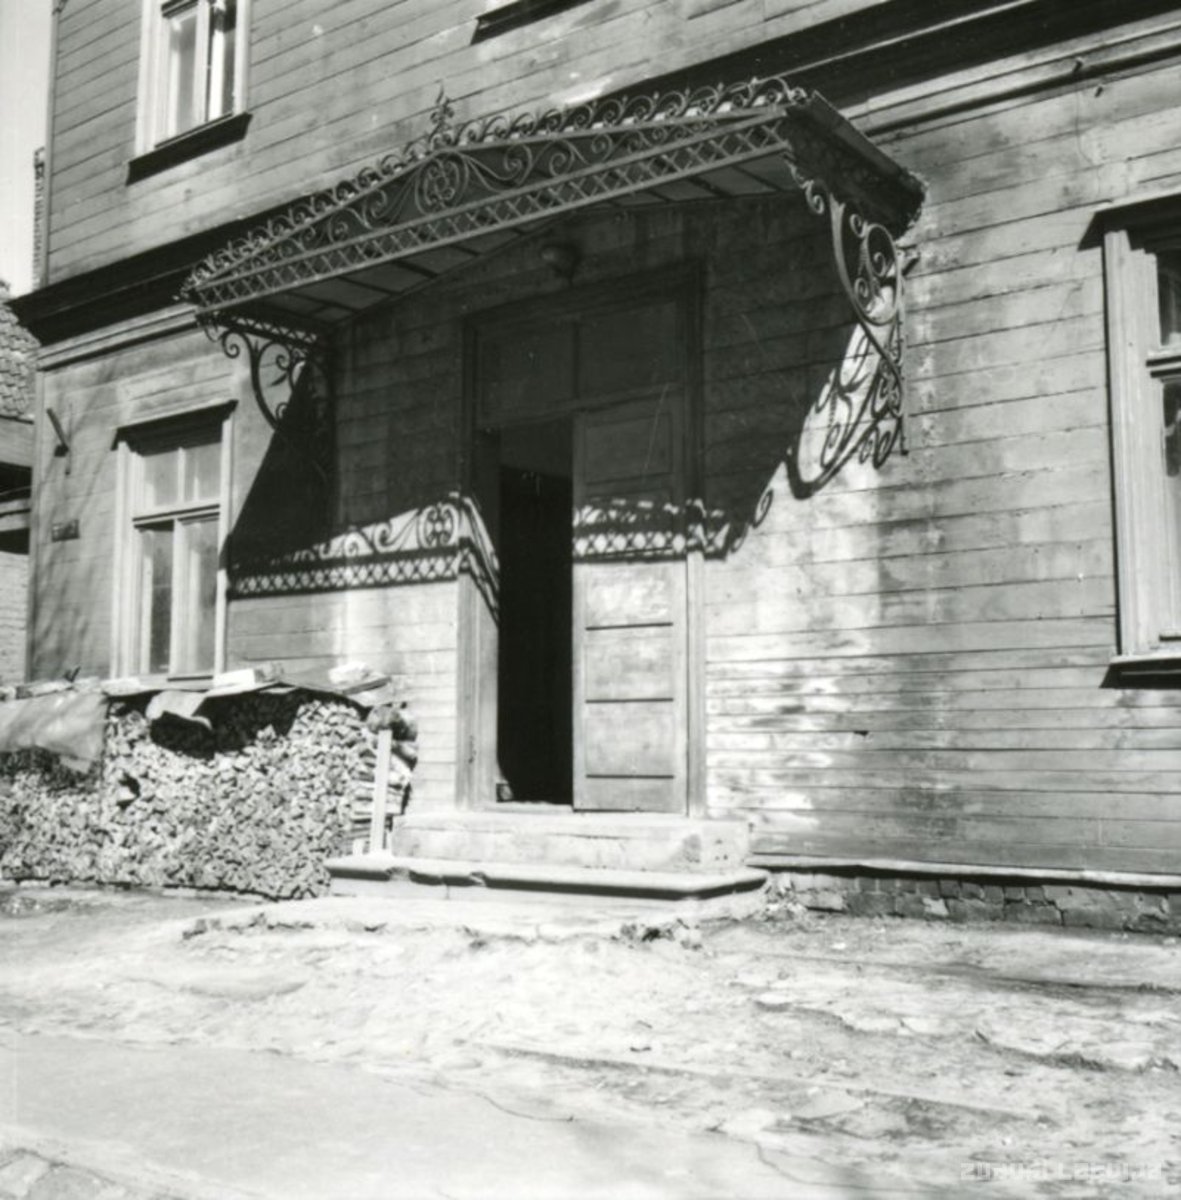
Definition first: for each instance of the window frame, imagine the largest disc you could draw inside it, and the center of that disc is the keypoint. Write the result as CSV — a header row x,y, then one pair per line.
x,y
131,629
1140,364
152,130
515,13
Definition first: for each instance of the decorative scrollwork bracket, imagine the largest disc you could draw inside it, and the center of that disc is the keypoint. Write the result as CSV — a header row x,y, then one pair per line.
x,y
862,405
290,379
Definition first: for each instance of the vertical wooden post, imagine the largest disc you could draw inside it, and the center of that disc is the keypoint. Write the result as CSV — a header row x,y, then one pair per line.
x,y
381,783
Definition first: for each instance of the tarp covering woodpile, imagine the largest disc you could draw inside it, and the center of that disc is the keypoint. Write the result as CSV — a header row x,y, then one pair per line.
x,y
67,719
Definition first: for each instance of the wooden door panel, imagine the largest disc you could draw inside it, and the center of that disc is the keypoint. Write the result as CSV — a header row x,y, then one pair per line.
x,y
631,795
630,348
635,449
527,374
623,594
630,664
637,738
630,615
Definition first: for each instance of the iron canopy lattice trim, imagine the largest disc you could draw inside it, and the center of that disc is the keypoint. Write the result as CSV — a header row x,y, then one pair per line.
x,y
461,181
299,259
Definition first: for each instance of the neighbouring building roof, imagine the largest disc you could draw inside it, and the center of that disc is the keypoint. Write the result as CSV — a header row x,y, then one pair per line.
x,y
17,364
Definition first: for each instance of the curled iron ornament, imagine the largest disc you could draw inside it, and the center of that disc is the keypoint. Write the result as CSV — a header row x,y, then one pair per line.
x,y
862,404
442,122
438,524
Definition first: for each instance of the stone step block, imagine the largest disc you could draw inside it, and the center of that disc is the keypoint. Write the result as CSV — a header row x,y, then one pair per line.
x,y
628,842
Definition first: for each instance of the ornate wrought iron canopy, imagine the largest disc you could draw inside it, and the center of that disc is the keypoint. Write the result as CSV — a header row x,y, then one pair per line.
x,y
466,188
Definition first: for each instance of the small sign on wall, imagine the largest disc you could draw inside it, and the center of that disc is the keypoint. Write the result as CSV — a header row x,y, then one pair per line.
x,y
63,531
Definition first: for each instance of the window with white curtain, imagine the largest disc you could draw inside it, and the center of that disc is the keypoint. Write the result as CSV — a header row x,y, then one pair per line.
x,y
194,65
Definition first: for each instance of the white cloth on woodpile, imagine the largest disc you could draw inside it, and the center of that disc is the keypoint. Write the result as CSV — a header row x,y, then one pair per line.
x,y
69,724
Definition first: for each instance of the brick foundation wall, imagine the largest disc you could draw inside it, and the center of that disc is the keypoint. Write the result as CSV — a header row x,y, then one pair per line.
x,y
994,898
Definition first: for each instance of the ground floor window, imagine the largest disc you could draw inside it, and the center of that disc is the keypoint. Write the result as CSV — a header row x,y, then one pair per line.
x,y
170,583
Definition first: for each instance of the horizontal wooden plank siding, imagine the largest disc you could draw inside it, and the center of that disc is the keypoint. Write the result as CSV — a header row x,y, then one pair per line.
x,y
409,632
913,663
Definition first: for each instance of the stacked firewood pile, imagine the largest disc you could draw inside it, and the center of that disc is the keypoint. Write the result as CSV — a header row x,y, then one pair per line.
x,y
252,797
47,813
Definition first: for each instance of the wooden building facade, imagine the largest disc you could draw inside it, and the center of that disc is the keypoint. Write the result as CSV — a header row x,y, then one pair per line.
x,y
805,465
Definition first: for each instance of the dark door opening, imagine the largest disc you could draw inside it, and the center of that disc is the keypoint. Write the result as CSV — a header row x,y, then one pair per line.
x,y
534,706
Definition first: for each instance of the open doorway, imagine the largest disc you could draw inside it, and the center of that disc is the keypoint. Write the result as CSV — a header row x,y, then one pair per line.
x,y
577,673
534,703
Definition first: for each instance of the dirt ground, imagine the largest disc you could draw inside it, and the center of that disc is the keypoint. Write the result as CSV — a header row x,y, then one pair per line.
x,y
986,1060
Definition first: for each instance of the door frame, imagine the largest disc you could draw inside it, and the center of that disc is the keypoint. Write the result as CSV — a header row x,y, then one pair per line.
x,y
477,665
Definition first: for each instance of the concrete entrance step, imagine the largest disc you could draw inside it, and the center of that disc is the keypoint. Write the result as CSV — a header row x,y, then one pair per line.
x,y
385,874
601,841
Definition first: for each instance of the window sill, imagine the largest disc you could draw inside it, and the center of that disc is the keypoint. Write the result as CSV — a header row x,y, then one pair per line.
x,y
140,685
517,13
1134,668
194,143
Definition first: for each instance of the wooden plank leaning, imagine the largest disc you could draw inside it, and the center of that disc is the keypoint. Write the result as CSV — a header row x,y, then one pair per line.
x,y
381,783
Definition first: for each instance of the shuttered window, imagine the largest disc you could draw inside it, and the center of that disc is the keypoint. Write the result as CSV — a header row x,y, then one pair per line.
x,y
1143,276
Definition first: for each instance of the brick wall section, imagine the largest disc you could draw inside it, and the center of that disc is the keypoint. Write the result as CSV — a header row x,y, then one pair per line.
x,y
18,349
1016,900
13,596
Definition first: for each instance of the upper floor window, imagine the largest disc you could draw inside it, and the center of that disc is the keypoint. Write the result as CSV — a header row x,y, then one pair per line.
x,y
1143,273
514,13
194,68
1168,275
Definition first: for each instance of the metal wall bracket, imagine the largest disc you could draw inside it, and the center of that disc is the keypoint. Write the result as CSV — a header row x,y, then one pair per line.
x,y
290,379
862,406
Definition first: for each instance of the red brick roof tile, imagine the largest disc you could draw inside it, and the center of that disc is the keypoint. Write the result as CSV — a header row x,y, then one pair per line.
x,y
17,364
